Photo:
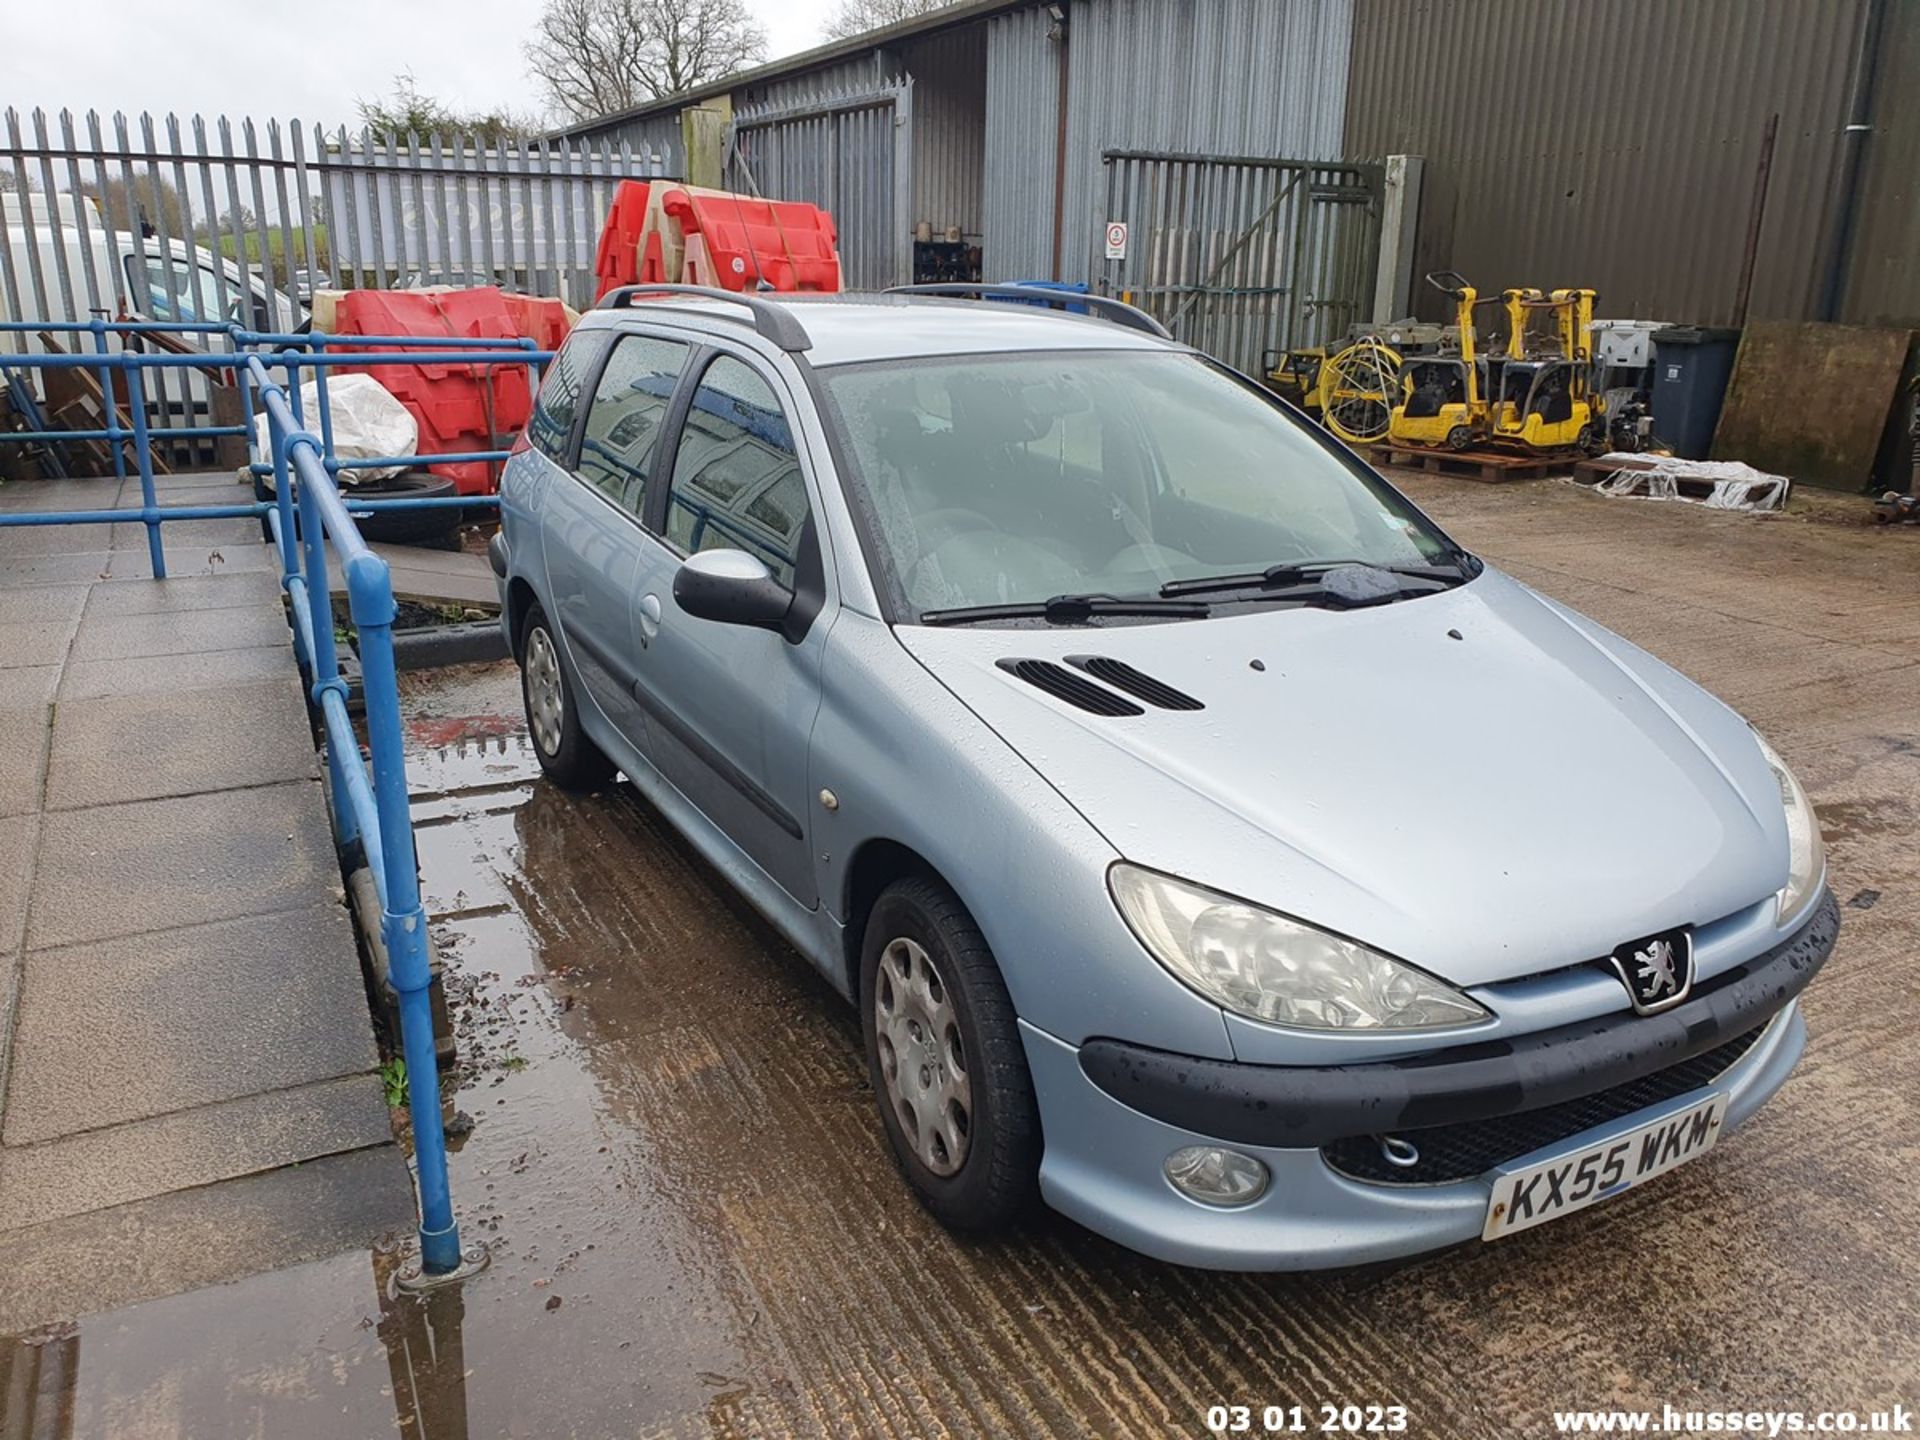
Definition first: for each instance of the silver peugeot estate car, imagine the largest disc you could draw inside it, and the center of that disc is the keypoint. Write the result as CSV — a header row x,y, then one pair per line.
x,y
1212,846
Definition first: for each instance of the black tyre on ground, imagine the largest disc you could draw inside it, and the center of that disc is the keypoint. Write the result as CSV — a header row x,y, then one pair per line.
x,y
570,759
409,527
945,1058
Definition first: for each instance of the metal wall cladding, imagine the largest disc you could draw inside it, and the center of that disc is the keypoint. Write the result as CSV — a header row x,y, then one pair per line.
x,y
1017,184
1225,77
847,152
1883,280
1614,143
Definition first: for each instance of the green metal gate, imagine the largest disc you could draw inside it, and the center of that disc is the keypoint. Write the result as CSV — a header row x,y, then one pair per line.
x,y
1241,256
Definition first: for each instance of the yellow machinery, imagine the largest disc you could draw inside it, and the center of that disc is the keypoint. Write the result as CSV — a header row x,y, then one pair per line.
x,y
1350,391
1532,399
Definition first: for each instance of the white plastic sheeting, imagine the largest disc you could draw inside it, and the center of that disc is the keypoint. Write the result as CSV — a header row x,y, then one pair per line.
x,y
368,422
1716,484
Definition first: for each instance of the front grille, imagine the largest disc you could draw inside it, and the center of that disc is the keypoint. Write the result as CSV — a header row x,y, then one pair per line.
x,y
1458,1152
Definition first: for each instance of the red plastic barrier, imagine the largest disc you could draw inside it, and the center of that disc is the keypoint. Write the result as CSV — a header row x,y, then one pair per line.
x,y
616,262
457,407
540,318
792,246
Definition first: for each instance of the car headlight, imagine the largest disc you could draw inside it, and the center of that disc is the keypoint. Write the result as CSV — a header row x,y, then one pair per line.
x,y
1806,850
1259,963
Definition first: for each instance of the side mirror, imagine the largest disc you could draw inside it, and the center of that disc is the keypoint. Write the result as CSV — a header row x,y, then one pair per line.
x,y
731,587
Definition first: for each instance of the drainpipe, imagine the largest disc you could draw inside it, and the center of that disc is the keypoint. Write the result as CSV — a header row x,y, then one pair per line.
x,y
1853,148
1057,33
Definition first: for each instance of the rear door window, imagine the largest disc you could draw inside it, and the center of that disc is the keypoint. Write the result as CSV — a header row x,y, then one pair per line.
x,y
630,402
551,428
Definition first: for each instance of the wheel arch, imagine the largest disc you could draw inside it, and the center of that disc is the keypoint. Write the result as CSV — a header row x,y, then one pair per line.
x,y
520,599
875,865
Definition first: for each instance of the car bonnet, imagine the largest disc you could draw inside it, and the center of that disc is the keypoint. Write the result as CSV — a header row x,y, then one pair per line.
x,y
1477,781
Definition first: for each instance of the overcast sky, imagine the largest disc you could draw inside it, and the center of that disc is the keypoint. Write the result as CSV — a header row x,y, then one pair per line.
x,y
286,59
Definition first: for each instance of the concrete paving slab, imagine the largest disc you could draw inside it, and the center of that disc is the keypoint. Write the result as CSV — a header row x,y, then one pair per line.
x,y
192,742
180,594
34,642
202,1237
166,674
32,540
123,637
154,1023
202,1146
28,687
18,834
187,536
157,864
26,603
440,576
188,560
23,764
79,568
93,493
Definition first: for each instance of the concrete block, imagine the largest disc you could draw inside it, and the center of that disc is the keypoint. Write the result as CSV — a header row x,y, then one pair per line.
x,y
157,864
154,1023
41,602
193,1238
23,763
180,594
92,493
184,561
164,674
34,642
189,742
79,568
27,687
120,1163
18,834
188,536
122,637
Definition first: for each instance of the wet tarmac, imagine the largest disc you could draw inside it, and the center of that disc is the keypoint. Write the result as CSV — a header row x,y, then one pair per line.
x,y
697,1229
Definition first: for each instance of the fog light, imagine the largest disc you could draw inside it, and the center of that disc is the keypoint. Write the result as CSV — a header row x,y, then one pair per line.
x,y
1214,1176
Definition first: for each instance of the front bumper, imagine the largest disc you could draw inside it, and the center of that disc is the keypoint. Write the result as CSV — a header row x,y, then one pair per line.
x,y
1104,1155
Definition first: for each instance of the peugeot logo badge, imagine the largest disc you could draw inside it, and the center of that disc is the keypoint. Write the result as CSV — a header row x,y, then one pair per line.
x,y
1657,969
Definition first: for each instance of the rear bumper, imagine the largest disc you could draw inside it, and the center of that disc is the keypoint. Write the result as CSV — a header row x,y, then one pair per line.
x,y
1295,1106
1103,1161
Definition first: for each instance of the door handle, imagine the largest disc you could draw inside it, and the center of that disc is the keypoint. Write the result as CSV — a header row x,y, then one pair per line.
x,y
649,618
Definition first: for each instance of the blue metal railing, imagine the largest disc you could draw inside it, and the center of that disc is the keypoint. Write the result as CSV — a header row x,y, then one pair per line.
x,y
307,516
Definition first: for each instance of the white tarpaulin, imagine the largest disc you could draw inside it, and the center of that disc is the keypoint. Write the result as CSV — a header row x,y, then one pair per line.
x,y
1717,484
367,423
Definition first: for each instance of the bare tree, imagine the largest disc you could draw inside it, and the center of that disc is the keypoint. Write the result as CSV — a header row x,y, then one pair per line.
x,y
856,17
410,110
596,57
143,198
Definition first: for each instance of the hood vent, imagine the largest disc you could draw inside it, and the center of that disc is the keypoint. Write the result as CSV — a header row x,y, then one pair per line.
x,y
1076,690
1123,676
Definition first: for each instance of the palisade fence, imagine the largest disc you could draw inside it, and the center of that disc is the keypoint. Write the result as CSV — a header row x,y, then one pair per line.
x,y
237,220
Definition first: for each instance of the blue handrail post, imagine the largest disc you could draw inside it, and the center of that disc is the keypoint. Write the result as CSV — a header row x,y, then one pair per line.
x,y
99,327
282,497
403,924
149,502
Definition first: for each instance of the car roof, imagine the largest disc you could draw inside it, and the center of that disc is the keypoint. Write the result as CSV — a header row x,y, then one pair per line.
x,y
851,327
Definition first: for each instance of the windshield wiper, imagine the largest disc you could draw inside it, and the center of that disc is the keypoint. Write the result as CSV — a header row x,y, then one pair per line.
x,y
1311,574
1070,610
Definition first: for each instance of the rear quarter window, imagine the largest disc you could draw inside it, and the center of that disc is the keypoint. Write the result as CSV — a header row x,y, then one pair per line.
x,y
551,427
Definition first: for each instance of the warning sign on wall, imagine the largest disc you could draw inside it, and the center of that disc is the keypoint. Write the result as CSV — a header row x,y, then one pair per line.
x,y
1116,240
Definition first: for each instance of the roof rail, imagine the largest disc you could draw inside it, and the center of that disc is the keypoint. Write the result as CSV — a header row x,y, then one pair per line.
x,y
771,319
1118,311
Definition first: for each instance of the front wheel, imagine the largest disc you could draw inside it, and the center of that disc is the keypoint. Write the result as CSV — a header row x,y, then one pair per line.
x,y
944,1055
570,759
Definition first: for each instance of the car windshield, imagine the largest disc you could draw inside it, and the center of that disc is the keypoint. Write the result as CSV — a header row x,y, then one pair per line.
x,y
1009,480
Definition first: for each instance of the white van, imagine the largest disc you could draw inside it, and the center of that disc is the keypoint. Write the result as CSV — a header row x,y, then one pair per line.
x,y
62,260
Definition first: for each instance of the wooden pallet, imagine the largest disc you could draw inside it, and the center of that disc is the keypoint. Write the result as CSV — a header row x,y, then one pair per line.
x,y
1488,465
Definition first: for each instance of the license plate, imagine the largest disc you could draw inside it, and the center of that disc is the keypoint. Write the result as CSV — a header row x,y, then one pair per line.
x,y
1546,1191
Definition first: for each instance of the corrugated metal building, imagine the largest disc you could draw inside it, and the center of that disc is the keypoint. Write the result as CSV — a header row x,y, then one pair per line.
x,y
1606,142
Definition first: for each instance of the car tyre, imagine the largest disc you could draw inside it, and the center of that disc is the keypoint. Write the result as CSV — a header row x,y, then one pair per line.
x,y
945,1058
569,758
